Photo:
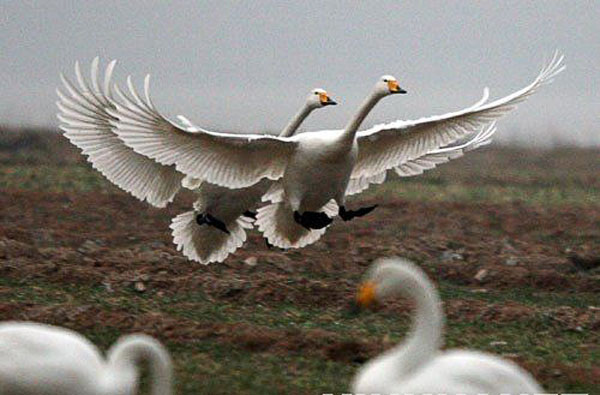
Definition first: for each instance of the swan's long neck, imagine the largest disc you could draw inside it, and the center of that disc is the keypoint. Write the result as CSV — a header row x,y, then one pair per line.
x,y
359,117
296,121
425,336
131,350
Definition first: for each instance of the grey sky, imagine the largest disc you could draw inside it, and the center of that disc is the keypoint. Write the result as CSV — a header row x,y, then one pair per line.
x,y
247,66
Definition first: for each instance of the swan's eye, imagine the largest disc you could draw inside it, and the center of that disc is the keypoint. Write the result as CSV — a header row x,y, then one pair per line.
x,y
385,80
316,93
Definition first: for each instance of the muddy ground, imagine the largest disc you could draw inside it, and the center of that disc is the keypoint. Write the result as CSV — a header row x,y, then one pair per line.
x,y
511,237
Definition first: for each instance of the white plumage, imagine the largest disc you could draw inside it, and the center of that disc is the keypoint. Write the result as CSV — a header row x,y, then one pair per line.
x,y
426,162
417,365
86,122
38,359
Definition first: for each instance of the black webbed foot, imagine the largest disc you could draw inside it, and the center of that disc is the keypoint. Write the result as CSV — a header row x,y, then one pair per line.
x,y
250,214
351,214
217,223
208,219
269,245
312,220
200,219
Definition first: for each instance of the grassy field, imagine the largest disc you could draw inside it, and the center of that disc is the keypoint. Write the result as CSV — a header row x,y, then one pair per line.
x,y
510,236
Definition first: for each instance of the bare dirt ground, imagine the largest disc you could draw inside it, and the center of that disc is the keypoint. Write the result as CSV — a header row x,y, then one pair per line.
x,y
511,237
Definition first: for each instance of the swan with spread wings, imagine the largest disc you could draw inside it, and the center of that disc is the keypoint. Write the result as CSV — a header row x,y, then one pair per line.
x,y
315,168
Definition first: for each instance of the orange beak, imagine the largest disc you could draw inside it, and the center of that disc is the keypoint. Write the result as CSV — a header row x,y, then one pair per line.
x,y
326,100
366,294
394,87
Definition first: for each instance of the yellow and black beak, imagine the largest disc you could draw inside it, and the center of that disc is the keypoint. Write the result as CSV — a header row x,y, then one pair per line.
x,y
326,100
394,87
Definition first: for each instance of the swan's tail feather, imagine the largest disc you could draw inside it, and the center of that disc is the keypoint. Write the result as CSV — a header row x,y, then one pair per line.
x,y
206,244
276,221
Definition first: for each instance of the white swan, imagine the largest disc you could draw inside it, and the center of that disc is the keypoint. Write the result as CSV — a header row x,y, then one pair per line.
x,y
38,359
85,118
417,366
228,210
315,167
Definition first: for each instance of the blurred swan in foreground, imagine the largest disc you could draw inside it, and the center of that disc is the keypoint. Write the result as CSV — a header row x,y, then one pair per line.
x,y
37,359
417,365
216,226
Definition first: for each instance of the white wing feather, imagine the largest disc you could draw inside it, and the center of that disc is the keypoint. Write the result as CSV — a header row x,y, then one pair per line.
x,y
229,160
444,155
426,162
84,117
390,145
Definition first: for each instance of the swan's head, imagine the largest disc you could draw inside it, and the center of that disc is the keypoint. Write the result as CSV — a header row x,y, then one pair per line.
x,y
318,98
389,277
388,85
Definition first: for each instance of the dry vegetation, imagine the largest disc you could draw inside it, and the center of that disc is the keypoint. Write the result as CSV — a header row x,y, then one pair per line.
x,y
511,236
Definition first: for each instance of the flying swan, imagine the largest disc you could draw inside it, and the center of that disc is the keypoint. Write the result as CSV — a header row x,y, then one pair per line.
x,y
227,212
315,168
417,366
37,359
86,121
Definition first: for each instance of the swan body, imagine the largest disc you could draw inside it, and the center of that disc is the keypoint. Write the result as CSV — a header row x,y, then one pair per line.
x,y
320,156
417,365
85,115
37,359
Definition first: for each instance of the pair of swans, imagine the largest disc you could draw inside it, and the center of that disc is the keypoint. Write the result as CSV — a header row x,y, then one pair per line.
x,y
305,177
417,366
37,359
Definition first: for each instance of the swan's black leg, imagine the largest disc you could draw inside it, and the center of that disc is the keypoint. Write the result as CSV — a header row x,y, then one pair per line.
x,y
208,219
250,214
312,220
269,245
351,214
200,218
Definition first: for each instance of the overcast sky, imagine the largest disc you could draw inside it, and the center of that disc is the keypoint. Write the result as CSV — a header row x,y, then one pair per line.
x,y
248,66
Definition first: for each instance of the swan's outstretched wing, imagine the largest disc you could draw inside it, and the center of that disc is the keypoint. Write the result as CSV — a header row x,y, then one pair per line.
x,y
86,123
426,162
229,160
444,155
359,184
389,145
